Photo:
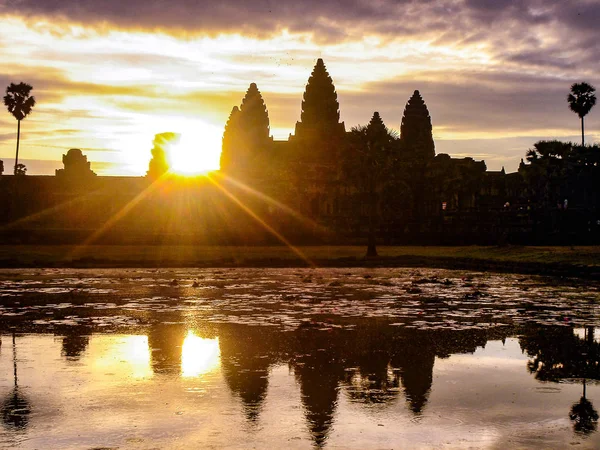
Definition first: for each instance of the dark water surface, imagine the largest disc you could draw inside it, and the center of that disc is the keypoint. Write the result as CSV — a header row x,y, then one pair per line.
x,y
293,358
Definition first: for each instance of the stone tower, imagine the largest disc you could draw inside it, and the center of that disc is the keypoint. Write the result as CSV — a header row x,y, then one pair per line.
x,y
246,140
231,138
415,132
254,118
376,127
319,128
76,166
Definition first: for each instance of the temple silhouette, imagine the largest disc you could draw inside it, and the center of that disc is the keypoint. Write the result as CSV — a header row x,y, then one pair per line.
x,y
315,187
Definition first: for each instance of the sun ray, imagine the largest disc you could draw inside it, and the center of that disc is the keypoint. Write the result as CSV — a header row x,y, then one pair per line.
x,y
260,221
48,211
112,220
272,202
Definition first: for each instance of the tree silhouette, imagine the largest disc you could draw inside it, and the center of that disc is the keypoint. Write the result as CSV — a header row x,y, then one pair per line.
x,y
562,170
558,354
581,100
1,167
367,165
583,415
20,170
19,103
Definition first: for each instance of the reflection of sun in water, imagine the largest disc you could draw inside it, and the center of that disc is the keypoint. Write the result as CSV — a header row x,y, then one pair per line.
x,y
198,355
137,353
129,355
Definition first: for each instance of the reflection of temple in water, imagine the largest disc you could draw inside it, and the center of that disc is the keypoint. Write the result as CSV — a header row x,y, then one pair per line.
x,y
245,362
373,380
371,364
319,369
414,364
367,365
74,342
166,342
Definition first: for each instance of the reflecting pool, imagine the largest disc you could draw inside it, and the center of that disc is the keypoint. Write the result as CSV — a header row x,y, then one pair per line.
x,y
314,358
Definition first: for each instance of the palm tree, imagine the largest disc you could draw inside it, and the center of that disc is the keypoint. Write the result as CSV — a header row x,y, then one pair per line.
x,y
19,104
581,100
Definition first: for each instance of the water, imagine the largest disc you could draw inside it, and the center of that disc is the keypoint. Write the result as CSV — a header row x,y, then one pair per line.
x,y
321,358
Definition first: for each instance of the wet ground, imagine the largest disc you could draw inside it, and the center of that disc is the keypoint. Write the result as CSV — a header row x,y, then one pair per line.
x,y
301,358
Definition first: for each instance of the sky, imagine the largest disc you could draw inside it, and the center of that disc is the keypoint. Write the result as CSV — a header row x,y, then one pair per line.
x,y
109,75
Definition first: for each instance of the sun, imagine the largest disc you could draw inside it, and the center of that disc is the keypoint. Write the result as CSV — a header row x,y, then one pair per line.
x,y
197,150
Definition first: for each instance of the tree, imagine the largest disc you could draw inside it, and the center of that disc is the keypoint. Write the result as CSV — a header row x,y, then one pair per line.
x,y
19,103
369,161
581,100
562,170
1,167
20,170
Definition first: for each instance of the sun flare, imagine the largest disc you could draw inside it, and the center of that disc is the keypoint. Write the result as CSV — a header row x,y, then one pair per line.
x,y
196,151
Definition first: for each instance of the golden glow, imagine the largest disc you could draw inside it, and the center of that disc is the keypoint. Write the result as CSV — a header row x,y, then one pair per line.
x,y
196,151
129,355
109,91
258,219
199,355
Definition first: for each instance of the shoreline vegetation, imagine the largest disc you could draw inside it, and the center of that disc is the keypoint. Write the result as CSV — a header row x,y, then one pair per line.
x,y
580,261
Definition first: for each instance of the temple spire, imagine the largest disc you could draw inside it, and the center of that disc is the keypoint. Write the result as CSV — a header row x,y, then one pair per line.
x,y
416,132
376,126
254,117
230,139
320,114
246,136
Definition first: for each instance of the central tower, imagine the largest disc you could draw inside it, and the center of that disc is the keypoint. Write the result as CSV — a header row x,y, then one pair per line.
x,y
319,132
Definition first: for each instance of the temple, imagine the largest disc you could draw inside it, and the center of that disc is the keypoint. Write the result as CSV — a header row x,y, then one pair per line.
x,y
308,170
76,167
324,184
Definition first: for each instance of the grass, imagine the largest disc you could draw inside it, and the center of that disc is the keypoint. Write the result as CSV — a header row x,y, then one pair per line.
x,y
507,258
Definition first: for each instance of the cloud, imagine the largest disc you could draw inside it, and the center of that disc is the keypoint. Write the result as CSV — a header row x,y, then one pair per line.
x,y
485,68
538,32
497,103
